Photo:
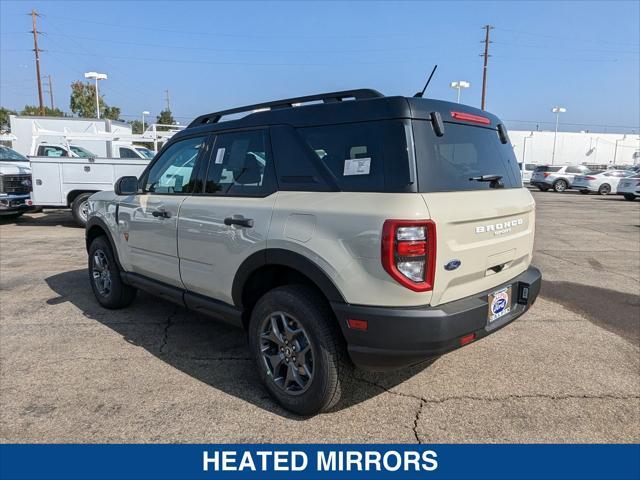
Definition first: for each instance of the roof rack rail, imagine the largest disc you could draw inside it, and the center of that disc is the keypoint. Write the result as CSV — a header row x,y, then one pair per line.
x,y
332,97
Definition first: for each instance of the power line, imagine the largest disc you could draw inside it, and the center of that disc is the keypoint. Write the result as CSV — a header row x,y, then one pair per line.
x,y
572,38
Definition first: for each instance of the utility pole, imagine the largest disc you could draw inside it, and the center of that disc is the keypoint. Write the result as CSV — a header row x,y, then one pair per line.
x,y
166,92
48,77
486,56
35,14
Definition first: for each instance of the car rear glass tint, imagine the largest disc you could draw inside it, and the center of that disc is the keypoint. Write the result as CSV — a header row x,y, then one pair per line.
x,y
448,163
365,156
547,168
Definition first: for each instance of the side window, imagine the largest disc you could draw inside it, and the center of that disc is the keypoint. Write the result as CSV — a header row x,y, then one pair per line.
x,y
371,156
51,151
127,153
572,169
240,164
173,171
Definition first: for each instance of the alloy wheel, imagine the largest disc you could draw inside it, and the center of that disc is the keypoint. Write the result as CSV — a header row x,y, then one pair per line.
x,y
287,352
101,273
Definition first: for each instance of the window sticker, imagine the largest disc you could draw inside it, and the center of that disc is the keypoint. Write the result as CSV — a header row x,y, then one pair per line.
x,y
220,156
357,166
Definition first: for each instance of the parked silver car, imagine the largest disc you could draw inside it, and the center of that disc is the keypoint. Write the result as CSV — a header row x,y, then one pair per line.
x,y
603,183
557,177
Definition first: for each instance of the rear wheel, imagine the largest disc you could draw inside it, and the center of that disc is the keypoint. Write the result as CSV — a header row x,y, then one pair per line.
x,y
543,189
584,192
560,186
629,196
605,189
298,348
80,208
104,275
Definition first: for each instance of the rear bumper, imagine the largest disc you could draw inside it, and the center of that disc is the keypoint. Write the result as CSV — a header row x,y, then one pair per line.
x,y
400,337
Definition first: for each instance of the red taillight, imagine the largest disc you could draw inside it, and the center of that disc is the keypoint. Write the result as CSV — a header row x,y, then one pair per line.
x,y
409,252
468,117
358,324
546,174
590,178
467,339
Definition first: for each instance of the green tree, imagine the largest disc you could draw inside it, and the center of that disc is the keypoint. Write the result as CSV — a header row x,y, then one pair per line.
x,y
4,118
34,110
165,118
136,126
83,102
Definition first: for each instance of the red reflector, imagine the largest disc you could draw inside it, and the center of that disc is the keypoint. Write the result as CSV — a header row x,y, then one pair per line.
x,y
467,339
358,324
471,118
412,249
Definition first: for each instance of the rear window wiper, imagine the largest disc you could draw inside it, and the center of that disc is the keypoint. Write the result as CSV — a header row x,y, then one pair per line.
x,y
494,179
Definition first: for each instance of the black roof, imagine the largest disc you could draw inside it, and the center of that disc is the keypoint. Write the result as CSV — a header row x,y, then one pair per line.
x,y
332,108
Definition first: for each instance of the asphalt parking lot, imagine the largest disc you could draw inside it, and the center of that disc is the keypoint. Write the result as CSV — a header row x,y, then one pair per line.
x,y
568,371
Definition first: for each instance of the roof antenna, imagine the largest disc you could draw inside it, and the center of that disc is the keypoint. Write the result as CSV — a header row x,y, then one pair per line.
x,y
420,94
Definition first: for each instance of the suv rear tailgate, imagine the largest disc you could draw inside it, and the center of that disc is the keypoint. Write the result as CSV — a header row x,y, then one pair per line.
x,y
489,231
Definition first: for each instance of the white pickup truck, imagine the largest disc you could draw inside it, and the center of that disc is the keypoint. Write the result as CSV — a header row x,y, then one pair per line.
x,y
70,181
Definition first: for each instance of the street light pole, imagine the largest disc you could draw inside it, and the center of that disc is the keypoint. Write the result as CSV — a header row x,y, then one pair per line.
x,y
557,111
459,86
96,76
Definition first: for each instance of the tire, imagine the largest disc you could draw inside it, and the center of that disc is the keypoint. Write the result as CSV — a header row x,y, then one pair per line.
x,y
325,359
584,192
104,276
629,196
605,189
560,185
79,209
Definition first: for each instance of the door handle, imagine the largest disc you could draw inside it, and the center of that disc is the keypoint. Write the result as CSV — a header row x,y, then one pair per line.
x,y
160,214
240,221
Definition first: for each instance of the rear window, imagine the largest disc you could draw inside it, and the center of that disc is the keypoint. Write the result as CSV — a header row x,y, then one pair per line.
x,y
365,156
449,162
547,168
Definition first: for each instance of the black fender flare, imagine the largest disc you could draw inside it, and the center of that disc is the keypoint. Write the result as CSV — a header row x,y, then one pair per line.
x,y
99,222
286,258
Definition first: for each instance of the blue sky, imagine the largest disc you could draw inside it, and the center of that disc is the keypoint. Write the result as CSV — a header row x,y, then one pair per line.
x,y
210,56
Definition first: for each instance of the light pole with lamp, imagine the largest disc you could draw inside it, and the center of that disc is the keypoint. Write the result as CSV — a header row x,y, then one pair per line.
x,y
143,114
557,111
96,76
459,86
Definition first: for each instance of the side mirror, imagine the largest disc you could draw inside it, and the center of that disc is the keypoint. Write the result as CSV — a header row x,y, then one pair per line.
x,y
126,186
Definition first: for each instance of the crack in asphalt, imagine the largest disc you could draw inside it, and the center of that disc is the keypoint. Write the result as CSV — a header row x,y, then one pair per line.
x,y
424,401
415,422
165,333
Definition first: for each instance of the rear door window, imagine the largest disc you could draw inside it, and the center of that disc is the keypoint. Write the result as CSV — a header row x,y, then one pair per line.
x,y
448,163
364,156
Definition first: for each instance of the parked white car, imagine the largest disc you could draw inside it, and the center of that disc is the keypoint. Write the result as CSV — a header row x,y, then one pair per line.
x,y
602,183
557,177
526,169
630,187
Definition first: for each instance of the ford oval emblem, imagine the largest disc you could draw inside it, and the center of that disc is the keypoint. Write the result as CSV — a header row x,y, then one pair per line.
x,y
452,264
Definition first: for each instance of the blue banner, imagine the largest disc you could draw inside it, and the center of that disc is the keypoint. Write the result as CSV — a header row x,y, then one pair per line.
x,y
310,462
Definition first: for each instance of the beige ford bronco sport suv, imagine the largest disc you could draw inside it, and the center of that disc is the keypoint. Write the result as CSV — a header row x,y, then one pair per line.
x,y
336,229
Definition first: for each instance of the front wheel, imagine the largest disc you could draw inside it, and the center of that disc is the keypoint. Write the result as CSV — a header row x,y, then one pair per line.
x,y
104,275
80,209
629,196
298,347
560,186
605,189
